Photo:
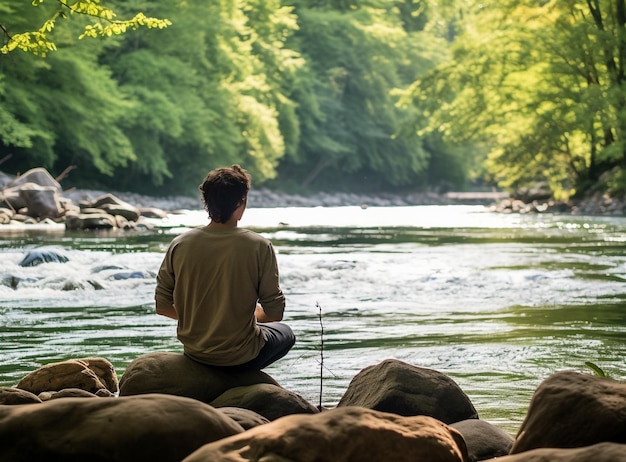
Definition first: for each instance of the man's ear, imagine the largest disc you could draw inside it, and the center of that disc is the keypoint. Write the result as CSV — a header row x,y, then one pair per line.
x,y
238,213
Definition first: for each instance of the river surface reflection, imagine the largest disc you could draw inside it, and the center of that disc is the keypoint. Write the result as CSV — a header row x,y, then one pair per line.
x,y
497,302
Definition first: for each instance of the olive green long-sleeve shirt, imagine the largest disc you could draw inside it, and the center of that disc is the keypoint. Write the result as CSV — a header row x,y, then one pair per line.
x,y
214,279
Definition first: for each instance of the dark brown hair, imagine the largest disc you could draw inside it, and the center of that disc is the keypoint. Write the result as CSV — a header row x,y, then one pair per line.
x,y
223,190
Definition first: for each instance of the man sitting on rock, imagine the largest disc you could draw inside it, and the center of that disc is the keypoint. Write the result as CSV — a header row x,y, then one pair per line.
x,y
221,283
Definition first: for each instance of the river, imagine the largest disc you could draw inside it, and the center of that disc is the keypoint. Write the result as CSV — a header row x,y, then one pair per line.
x,y
497,302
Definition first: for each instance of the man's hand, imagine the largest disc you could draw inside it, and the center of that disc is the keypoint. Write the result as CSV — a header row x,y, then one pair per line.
x,y
261,315
168,311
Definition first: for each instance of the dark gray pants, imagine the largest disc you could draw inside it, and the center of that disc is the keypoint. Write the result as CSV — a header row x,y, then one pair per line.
x,y
279,338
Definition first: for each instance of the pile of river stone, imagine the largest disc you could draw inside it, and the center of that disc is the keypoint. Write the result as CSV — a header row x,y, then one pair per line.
x,y
36,197
167,407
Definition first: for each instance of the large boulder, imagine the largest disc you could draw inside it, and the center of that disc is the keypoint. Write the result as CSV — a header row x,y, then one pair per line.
x,y
37,201
89,374
341,435
176,374
271,401
37,192
10,395
38,176
42,201
484,440
600,452
149,427
404,389
38,256
570,409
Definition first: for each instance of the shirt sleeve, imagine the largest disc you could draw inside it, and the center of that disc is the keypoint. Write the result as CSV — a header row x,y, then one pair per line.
x,y
164,292
271,296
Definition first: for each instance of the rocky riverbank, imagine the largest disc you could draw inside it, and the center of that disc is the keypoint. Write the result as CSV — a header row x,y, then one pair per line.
x,y
265,198
36,197
500,202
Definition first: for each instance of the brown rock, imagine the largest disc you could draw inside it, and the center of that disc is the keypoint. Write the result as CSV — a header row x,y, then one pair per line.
x,y
69,206
176,374
105,371
80,221
113,205
90,211
41,201
38,175
13,199
6,215
122,223
16,396
570,409
149,427
66,393
74,373
601,452
152,212
403,389
271,401
36,193
127,211
104,393
22,218
245,417
483,439
341,435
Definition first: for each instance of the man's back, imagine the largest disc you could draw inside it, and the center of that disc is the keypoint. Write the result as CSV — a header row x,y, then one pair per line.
x,y
219,275
221,283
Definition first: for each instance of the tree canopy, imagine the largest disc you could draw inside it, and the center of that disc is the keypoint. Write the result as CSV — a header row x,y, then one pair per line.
x,y
353,95
541,85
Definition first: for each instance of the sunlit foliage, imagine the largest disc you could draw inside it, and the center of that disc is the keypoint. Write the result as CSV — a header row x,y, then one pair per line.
x,y
104,24
542,85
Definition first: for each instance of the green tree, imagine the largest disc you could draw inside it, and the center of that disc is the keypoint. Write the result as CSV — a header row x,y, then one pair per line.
x,y
358,56
308,91
60,110
141,110
209,91
541,85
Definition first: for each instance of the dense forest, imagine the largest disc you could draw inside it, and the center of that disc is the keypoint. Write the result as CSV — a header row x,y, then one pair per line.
x,y
307,95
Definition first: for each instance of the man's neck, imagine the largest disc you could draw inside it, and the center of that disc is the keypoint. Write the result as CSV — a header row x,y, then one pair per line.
x,y
230,224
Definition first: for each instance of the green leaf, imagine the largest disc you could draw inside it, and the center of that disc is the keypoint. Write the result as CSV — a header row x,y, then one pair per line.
x,y
596,370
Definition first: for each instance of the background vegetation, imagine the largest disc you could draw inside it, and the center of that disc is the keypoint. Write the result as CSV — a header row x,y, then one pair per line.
x,y
353,95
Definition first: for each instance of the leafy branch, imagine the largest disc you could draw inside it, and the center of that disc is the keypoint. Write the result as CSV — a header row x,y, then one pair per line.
x,y
38,43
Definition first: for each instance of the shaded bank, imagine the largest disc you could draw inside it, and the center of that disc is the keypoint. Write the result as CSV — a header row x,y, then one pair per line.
x,y
599,204
35,197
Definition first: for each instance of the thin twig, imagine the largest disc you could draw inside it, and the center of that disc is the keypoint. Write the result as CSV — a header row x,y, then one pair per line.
x,y
74,10
65,172
6,32
319,307
8,156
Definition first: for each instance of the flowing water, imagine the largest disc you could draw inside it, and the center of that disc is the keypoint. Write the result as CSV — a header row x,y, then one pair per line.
x,y
497,302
